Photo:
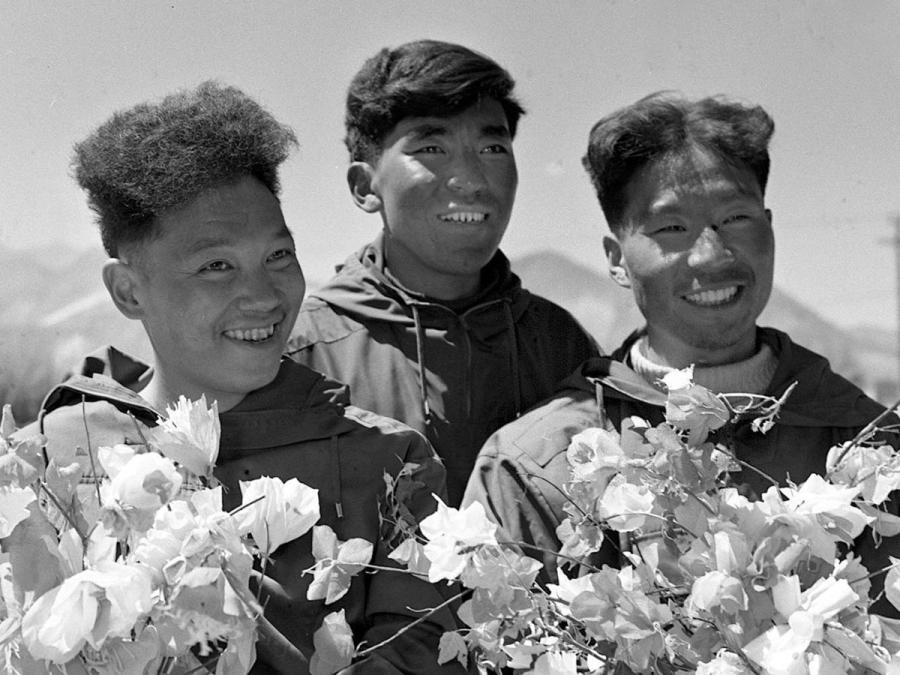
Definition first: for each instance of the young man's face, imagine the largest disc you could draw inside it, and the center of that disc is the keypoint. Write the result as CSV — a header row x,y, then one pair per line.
x,y
698,251
218,291
445,188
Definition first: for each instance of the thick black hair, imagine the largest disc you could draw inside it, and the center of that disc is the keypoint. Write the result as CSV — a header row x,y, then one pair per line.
x,y
420,79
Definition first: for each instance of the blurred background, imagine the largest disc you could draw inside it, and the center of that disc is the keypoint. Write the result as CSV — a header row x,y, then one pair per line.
x,y
828,72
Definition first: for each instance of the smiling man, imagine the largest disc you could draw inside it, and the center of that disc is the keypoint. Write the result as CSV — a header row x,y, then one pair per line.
x,y
186,195
427,324
682,185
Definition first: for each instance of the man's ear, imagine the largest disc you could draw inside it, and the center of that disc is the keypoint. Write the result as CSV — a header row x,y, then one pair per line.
x,y
122,282
359,180
618,270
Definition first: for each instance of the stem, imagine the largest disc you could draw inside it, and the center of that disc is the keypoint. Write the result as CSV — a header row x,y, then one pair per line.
x,y
865,431
240,508
749,466
137,428
90,450
571,559
433,610
62,510
876,573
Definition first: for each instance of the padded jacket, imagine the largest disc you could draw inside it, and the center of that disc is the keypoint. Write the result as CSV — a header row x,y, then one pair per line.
x,y
455,373
521,467
299,427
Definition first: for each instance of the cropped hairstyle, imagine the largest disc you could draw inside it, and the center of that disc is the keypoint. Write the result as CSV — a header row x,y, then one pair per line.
x,y
157,156
420,79
665,125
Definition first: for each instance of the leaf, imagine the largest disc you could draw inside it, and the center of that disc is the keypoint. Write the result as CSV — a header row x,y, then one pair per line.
x,y
892,583
452,646
32,548
14,502
333,642
337,562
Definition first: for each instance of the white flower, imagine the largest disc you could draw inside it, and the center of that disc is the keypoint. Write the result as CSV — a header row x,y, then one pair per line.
x,y
781,649
284,512
189,435
679,379
143,481
594,449
86,609
449,531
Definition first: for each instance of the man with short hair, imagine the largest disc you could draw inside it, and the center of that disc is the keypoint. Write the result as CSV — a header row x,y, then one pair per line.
x,y
185,191
682,185
427,324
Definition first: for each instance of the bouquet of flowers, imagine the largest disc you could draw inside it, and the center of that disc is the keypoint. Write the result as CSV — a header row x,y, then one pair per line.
x,y
122,561
709,580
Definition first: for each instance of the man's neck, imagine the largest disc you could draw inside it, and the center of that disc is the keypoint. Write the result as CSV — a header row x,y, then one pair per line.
x,y
161,395
427,282
751,375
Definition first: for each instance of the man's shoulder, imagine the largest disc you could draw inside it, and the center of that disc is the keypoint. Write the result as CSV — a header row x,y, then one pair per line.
x,y
321,323
546,430
821,394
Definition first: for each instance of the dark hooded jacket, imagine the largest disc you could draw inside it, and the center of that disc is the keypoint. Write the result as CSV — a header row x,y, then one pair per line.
x,y
521,468
299,427
456,372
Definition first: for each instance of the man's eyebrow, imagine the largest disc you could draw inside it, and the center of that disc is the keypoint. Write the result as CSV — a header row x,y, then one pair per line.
x,y
427,130
496,130
207,243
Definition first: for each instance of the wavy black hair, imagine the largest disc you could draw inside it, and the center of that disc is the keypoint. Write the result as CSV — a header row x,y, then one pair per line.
x,y
666,124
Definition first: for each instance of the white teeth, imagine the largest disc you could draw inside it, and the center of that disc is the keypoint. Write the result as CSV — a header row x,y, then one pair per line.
x,y
251,334
711,298
465,217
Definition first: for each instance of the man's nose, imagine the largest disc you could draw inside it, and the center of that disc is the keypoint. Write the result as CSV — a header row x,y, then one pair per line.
x,y
467,175
709,249
259,292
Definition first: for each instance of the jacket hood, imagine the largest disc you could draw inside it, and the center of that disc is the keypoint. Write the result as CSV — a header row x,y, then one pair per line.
x,y
821,398
363,291
299,405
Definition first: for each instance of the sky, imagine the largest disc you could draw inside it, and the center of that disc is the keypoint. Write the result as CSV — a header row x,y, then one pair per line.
x,y
828,72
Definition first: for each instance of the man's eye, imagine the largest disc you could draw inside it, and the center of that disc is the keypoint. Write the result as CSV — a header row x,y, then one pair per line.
x,y
496,149
669,229
429,150
216,266
735,218
282,255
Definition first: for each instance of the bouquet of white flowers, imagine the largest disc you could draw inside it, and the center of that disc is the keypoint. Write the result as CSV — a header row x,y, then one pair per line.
x,y
710,581
125,563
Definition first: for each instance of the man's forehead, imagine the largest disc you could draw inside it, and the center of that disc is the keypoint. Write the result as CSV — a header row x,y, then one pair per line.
x,y
487,116
665,183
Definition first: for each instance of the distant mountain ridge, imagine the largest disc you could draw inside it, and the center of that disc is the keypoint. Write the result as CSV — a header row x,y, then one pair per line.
x,y
54,309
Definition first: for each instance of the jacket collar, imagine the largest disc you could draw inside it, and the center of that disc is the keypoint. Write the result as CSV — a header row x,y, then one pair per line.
x,y
821,399
363,290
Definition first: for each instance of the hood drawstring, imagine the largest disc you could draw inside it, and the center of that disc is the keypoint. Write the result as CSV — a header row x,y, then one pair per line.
x,y
420,357
514,357
336,474
601,407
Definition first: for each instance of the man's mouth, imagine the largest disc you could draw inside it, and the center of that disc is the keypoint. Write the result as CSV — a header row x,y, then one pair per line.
x,y
720,296
251,334
464,217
